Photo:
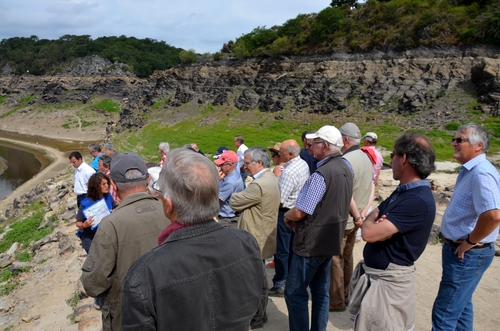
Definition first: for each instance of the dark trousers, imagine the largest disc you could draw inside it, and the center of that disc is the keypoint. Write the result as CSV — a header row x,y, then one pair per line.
x,y
283,250
79,199
259,315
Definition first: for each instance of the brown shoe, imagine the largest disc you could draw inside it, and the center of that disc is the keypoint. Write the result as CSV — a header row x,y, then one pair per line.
x,y
341,307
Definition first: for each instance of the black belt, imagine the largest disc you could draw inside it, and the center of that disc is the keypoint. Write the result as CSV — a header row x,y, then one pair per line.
x,y
284,210
456,244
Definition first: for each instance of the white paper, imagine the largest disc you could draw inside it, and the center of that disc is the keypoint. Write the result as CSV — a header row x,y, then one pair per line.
x,y
98,211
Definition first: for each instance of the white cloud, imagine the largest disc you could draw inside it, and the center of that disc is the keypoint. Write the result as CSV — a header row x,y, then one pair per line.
x,y
202,25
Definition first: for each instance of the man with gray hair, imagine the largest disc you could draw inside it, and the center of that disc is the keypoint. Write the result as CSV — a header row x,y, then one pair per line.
x,y
95,151
124,236
291,180
259,204
470,229
191,282
343,264
319,219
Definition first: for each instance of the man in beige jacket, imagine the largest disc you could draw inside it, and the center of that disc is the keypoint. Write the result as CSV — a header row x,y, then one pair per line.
x,y
259,204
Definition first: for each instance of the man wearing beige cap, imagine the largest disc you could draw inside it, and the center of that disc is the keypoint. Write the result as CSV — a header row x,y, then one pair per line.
x,y
319,219
343,264
230,182
370,140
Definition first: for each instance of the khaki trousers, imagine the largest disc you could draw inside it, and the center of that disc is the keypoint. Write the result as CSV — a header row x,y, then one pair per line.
x,y
341,270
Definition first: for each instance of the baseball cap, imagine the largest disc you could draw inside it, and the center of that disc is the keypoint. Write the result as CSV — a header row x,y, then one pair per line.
x,y
328,133
227,156
122,163
219,151
350,130
371,136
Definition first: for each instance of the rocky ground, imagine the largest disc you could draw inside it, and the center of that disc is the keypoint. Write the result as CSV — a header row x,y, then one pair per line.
x,y
41,302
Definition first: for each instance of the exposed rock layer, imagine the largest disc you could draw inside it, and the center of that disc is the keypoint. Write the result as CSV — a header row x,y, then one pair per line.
x,y
404,82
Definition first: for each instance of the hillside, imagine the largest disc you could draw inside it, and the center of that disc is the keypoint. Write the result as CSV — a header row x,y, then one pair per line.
x,y
267,100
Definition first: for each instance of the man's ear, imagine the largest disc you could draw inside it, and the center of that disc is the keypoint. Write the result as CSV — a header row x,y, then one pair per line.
x,y
168,208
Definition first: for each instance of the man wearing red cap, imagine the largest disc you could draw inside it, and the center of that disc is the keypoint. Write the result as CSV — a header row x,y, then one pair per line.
x,y
230,182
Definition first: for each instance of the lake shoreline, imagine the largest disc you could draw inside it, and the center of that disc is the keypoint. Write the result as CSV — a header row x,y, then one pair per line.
x,y
56,163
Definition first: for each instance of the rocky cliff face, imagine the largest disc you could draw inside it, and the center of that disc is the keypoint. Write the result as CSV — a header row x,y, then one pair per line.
x,y
404,82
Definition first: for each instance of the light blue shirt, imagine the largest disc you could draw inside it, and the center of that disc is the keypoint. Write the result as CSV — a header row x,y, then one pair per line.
x,y
477,190
314,189
230,184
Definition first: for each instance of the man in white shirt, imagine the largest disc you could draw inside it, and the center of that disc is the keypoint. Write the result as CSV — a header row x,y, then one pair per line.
x,y
82,174
238,142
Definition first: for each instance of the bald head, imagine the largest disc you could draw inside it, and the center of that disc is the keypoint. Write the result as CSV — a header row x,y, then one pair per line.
x,y
289,149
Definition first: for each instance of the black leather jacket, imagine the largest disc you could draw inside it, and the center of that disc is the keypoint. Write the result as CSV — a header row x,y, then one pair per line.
x,y
203,277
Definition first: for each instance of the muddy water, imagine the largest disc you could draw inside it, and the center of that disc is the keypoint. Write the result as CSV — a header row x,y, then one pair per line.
x,y
19,163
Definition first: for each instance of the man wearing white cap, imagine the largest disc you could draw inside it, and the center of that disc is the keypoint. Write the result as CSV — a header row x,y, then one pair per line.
x,y
319,219
370,141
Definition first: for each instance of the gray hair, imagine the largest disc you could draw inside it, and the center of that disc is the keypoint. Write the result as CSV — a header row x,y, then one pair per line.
x,y
259,153
477,135
106,161
94,147
191,182
293,149
165,147
354,141
108,145
333,148
132,174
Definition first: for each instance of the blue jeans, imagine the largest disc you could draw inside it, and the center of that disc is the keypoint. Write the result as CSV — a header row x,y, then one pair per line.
x,y
315,273
283,249
453,306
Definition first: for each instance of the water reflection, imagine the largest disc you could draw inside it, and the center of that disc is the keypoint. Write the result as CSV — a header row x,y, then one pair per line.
x,y
18,167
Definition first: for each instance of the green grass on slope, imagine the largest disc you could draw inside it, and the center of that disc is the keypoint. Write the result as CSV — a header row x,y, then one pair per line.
x,y
262,129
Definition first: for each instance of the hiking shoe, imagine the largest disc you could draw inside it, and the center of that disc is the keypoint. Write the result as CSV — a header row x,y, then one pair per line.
x,y
276,291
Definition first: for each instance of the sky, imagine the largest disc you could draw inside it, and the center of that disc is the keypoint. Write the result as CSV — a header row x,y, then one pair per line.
x,y
189,24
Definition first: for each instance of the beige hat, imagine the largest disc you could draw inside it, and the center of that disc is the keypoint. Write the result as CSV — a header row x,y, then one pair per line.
x,y
275,148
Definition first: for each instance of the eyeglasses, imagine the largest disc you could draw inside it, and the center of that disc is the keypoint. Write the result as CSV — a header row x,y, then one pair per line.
x,y
459,140
319,142
393,154
308,145
275,154
156,187
225,164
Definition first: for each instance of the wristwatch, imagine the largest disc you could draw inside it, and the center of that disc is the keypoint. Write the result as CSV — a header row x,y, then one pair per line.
x,y
469,242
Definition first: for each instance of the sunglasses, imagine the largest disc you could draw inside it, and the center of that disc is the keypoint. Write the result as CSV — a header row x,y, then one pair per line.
x,y
459,140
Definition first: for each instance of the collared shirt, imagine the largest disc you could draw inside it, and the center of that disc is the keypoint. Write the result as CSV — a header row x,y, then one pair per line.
x,y
291,180
380,161
95,162
314,189
82,175
257,175
477,190
241,155
408,186
230,184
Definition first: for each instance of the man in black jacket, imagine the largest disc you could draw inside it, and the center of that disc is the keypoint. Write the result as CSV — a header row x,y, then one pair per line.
x,y
191,282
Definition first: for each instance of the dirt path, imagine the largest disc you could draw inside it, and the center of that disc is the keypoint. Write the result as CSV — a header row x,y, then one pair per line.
x,y
40,304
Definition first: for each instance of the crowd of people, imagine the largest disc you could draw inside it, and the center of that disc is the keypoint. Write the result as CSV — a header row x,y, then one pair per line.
x,y
184,242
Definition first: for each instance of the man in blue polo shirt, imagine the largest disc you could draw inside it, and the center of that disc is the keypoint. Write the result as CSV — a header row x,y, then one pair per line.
x,y
230,182
470,228
396,233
